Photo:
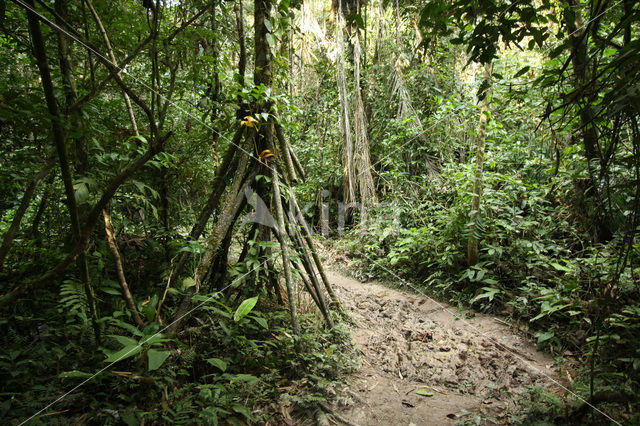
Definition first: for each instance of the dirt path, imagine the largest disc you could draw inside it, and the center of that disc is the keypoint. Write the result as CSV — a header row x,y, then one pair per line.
x,y
409,342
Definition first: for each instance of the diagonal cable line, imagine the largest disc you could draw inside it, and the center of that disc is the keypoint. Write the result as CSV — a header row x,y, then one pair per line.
x,y
483,334
124,70
594,18
108,366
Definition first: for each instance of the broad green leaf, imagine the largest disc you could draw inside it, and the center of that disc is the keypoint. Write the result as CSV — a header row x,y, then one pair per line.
x,y
244,378
124,340
154,339
124,353
139,138
129,327
157,358
111,291
188,282
261,321
244,308
241,409
559,267
81,193
269,25
74,374
544,336
489,293
217,362
149,313
270,40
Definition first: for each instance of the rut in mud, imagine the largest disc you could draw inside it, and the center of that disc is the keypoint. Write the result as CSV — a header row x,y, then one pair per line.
x,y
410,344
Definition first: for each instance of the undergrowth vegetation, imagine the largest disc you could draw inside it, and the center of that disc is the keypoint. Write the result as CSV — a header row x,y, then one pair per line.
x,y
538,264
232,367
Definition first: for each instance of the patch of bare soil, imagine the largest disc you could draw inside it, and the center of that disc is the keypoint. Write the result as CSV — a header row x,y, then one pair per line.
x,y
410,345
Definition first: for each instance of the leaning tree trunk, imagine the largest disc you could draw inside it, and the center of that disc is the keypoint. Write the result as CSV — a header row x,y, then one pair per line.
x,y
40,53
124,286
474,215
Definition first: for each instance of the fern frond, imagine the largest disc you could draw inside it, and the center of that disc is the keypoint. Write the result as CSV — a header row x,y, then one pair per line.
x,y
73,299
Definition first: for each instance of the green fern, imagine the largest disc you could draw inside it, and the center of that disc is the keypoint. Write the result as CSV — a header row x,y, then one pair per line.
x,y
73,300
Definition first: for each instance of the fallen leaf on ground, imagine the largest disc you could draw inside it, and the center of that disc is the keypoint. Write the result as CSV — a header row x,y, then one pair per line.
x,y
424,392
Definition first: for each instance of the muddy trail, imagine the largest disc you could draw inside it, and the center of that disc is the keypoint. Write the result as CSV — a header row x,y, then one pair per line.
x,y
423,365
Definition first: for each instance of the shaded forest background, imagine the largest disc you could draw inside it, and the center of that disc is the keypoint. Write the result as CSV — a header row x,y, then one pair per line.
x,y
487,151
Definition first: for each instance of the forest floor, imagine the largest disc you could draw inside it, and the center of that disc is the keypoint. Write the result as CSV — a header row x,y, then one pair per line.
x,y
465,366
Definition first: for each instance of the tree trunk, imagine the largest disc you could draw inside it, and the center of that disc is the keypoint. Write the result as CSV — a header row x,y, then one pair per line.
x,y
112,57
362,157
582,77
39,51
281,236
474,215
263,75
348,178
81,152
357,178
113,247
232,200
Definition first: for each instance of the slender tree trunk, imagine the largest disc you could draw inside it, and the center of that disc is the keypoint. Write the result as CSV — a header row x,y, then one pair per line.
x,y
77,126
285,151
263,75
81,153
357,177
474,215
35,225
582,76
113,247
397,10
215,87
242,58
362,156
348,178
306,232
112,58
308,266
281,236
39,51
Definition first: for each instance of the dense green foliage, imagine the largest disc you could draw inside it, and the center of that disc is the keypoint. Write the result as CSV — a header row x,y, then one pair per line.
x,y
236,359
558,224
558,166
